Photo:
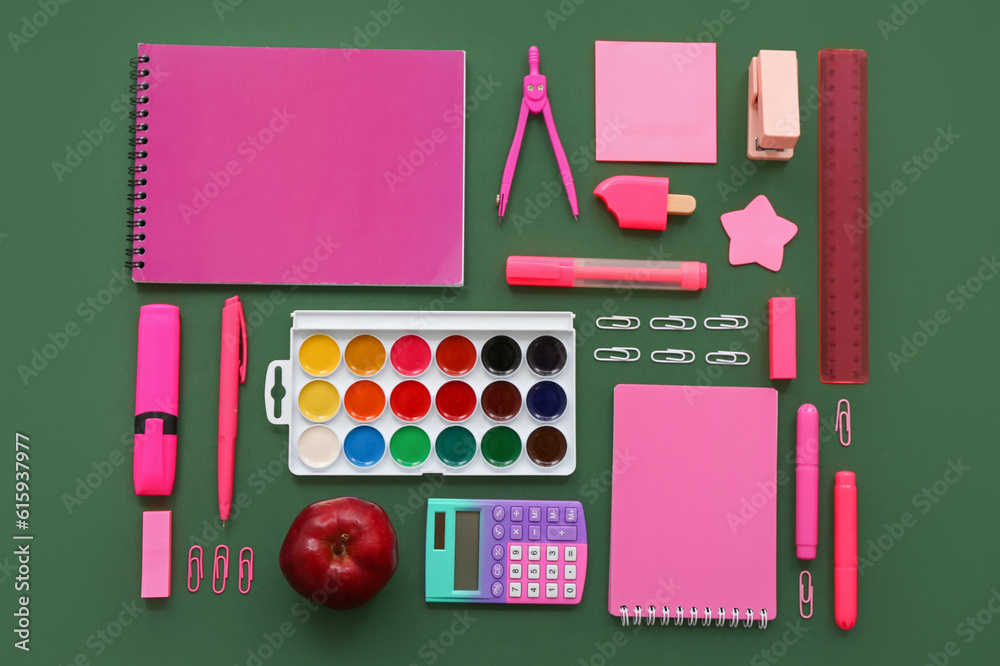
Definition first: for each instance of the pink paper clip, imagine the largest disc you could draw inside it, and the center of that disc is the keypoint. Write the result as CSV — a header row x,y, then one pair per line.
x,y
225,568
249,570
805,595
199,561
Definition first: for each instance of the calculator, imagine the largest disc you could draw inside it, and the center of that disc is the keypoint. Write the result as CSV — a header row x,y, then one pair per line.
x,y
505,551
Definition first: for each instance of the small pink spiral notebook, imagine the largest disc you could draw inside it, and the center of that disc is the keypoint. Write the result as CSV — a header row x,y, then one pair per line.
x,y
298,166
694,505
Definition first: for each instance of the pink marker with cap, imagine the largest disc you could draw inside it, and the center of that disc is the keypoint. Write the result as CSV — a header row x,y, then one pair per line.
x,y
156,395
608,273
806,481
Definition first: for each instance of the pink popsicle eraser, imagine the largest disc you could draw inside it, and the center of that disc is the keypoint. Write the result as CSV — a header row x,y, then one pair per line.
x,y
156,554
781,336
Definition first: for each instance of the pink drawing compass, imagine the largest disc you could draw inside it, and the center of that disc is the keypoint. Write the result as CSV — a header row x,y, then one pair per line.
x,y
535,100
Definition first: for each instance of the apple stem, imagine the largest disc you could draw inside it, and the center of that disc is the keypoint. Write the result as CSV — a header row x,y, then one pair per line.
x,y
339,548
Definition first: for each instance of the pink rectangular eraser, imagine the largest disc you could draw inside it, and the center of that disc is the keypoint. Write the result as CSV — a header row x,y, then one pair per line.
x,y
781,332
156,554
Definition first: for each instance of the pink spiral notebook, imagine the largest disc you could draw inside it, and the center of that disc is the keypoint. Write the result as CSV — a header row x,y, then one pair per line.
x,y
298,166
694,505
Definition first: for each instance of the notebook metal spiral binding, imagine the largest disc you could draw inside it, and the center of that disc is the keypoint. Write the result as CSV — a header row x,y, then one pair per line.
x,y
635,617
135,210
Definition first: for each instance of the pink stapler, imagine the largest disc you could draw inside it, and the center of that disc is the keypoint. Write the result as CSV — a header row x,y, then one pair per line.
x,y
535,100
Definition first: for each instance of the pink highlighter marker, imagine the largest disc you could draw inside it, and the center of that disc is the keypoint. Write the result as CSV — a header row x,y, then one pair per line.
x,y
806,481
845,550
609,273
156,389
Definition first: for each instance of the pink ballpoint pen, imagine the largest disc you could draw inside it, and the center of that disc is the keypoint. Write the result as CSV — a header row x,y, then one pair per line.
x,y
535,100
232,373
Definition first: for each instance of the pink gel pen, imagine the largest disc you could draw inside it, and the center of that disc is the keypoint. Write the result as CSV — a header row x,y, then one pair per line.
x,y
637,274
806,481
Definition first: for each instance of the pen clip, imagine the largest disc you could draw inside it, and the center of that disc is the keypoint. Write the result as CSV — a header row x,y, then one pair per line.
x,y
243,342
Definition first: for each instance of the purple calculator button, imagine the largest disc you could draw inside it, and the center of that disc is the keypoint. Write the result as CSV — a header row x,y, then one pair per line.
x,y
498,531
535,514
552,514
515,533
497,570
535,532
517,513
498,513
561,533
571,514
498,552
497,589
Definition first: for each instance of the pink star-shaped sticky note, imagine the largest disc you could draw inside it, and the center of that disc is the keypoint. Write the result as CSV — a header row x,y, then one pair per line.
x,y
758,234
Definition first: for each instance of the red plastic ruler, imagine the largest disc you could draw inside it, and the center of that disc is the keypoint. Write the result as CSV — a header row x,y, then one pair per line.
x,y
843,216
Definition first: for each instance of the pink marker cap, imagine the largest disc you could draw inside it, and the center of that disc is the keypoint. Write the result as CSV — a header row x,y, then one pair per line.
x,y
156,554
781,336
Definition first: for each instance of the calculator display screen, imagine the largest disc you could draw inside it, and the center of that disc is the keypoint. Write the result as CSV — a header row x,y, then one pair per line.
x,y
466,550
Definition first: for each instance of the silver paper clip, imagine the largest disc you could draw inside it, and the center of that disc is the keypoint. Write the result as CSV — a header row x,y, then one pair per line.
x,y
843,422
619,354
618,322
726,322
673,323
805,595
672,356
727,358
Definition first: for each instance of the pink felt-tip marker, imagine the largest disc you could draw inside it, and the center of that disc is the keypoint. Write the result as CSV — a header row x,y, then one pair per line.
x,y
535,101
613,273
806,481
156,392
232,373
845,550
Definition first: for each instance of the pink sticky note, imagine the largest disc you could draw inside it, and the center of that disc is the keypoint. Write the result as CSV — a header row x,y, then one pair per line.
x,y
757,234
655,102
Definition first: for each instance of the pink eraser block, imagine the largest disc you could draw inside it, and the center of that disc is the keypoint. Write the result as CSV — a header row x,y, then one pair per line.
x,y
156,554
781,327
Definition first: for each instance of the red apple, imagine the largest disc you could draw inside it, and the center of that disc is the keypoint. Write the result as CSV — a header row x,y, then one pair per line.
x,y
339,552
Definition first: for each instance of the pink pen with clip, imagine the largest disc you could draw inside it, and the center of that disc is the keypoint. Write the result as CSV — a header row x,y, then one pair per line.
x,y
535,101
638,274
232,373
806,481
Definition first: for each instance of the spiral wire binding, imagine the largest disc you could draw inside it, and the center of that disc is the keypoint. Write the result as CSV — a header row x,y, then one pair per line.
x,y
634,617
136,170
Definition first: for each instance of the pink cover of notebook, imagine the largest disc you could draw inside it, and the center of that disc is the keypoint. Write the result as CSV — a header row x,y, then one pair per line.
x,y
693,501
301,166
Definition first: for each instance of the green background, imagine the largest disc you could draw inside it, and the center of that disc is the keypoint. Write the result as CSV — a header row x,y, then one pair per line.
x,y
62,245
